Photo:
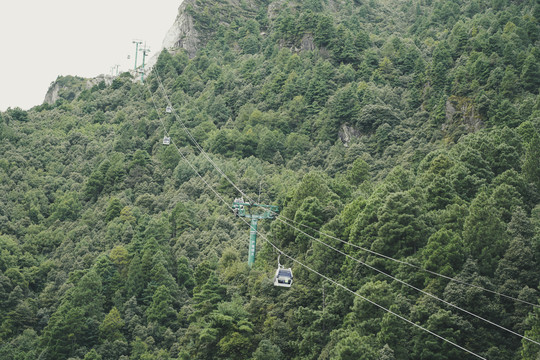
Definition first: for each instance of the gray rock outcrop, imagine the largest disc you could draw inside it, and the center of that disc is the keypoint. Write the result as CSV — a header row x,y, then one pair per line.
x,y
182,34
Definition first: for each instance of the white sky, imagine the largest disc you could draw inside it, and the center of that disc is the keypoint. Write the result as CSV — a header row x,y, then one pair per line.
x,y
41,39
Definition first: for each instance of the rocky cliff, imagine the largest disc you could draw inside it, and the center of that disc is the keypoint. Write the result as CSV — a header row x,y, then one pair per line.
x,y
68,87
182,34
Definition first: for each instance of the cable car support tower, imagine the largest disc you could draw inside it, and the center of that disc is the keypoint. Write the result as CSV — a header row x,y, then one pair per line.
x,y
262,212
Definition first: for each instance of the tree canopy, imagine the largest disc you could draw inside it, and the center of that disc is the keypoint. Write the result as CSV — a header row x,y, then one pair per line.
x,y
404,129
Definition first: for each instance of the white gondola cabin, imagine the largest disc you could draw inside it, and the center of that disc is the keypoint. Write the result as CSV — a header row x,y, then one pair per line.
x,y
168,109
166,140
284,277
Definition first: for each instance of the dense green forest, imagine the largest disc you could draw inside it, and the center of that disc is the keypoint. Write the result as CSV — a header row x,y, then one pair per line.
x,y
407,128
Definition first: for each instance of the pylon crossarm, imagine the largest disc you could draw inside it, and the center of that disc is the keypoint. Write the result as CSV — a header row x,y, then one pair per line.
x,y
239,208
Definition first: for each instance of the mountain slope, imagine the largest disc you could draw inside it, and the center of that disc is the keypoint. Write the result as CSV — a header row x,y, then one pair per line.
x,y
408,128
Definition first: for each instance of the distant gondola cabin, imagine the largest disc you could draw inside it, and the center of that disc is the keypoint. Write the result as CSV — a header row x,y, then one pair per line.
x,y
284,277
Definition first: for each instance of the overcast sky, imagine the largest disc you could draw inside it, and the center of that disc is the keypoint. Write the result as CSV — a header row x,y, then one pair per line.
x,y
41,39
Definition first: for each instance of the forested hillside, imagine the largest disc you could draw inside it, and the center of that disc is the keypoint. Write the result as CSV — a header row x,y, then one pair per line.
x,y
400,140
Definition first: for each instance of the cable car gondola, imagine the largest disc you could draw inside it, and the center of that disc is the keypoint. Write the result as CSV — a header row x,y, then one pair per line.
x,y
284,277
166,140
168,109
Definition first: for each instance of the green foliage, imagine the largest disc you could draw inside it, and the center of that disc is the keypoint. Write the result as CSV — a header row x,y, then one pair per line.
x,y
373,116
92,355
207,296
267,351
76,320
401,228
529,350
483,233
66,207
531,73
113,209
444,253
309,215
111,326
353,346
17,114
406,128
531,168
160,310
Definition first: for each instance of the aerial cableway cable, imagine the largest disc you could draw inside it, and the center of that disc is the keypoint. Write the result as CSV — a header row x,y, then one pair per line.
x,y
199,147
220,197
339,251
414,287
353,258
405,262
186,130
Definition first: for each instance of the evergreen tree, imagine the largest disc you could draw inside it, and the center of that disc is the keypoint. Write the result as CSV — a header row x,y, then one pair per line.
x,y
309,215
75,323
483,233
110,328
401,230
531,163
113,209
109,244
160,310
530,74
529,350
208,296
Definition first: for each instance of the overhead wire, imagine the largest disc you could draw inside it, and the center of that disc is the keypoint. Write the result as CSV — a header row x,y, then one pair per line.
x,y
337,250
195,142
220,197
369,300
416,288
449,278
407,263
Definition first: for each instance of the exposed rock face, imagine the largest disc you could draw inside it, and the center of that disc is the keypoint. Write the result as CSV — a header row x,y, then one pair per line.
x,y
182,34
461,113
68,87
346,133
307,43
274,7
53,93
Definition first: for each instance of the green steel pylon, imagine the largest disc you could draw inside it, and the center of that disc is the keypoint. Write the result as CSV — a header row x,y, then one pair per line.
x,y
137,43
145,52
268,212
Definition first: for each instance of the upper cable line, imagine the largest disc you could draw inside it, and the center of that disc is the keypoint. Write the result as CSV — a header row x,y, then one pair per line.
x,y
170,109
449,278
220,197
416,288
337,250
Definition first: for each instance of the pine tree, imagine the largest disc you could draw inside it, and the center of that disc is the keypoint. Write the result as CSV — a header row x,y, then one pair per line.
x,y
208,296
401,228
110,328
309,214
484,233
160,310
529,350
531,164
113,209
530,74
